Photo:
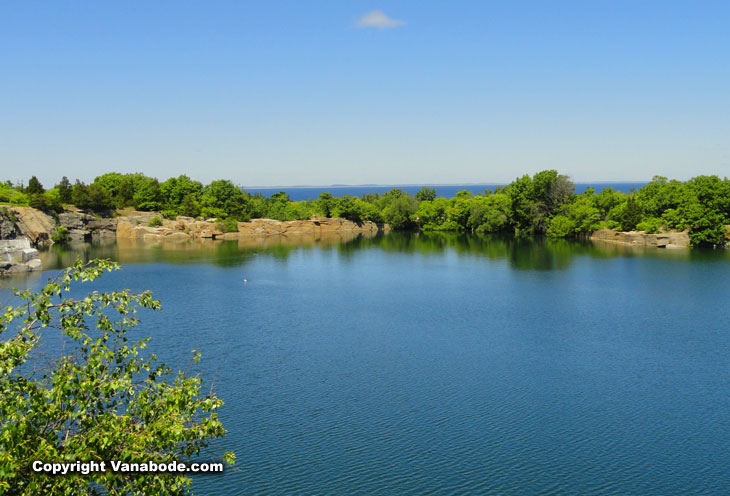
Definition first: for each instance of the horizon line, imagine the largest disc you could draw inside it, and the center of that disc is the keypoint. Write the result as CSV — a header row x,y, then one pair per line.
x,y
371,185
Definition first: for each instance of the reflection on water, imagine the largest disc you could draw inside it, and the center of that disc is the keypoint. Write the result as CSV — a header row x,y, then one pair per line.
x,y
521,253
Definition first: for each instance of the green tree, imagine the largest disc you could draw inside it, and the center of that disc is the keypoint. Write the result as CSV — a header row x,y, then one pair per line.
x,y
631,215
660,195
93,197
131,190
64,190
431,215
119,186
80,195
223,199
54,200
459,210
550,191
536,199
99,198
39,201
426,194
190,206
606,200
583,215
278,207
34,187
102,399
146,194
708,229
400,212
490,213
326,203
349,208
179,193
522,207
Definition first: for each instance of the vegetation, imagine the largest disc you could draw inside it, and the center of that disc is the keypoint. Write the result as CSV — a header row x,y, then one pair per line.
x,y
12,195
61,235
99,397
155,222
9,214
544,203
228,225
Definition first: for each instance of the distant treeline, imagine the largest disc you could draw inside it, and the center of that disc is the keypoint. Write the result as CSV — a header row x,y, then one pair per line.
x,y
545,203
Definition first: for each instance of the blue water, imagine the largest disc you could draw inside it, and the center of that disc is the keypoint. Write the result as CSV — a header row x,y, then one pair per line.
x,y
310,193
445,364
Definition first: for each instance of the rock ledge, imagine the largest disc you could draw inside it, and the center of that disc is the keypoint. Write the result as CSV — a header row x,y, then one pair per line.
x,y
672,239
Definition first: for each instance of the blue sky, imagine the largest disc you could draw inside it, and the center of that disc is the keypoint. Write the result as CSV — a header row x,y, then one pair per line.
x,y
323,92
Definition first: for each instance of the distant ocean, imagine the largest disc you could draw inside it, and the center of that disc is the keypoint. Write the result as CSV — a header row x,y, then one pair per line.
x,y
297,193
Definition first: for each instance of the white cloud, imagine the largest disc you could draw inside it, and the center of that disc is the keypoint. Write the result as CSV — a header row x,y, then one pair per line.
x,y
377,19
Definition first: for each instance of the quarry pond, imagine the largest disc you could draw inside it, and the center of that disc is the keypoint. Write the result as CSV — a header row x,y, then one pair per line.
x,y
444,363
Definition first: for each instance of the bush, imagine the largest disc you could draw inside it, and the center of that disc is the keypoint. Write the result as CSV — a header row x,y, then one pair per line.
x,y
709,230
228,225
93,197
560,227
11,195
155,222
99,397
650,225
61,235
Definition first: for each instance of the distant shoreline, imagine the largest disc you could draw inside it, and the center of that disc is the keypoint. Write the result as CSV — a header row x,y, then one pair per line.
x,y
418,185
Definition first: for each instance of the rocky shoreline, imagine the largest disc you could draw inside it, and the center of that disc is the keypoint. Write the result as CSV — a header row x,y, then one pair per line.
x,y
136,225
32,229
23,229
668,240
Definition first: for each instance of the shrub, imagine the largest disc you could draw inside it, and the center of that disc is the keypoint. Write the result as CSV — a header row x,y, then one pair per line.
x,y
11,195
560,227
155,222
228,225
61,235
650,225
99,398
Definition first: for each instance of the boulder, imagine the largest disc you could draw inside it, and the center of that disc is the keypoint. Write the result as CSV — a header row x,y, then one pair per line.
x,y
17,256
28,254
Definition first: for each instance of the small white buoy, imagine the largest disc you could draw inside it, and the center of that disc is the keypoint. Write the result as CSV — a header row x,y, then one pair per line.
x,y
245,281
